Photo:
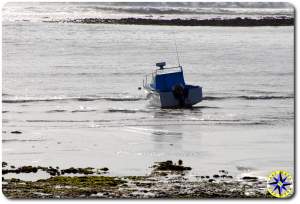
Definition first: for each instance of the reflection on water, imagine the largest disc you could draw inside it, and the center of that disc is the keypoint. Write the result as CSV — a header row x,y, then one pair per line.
x,y
165,138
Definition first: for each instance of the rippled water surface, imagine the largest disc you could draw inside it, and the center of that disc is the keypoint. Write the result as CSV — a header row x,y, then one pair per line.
x,y
72,90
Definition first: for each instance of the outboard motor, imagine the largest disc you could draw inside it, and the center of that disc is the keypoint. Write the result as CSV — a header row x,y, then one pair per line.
x,y
179,93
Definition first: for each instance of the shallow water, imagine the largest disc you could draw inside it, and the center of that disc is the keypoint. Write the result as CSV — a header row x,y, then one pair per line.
x,y
72,89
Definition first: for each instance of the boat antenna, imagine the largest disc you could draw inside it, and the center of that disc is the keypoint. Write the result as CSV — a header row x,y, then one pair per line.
x,y
177,52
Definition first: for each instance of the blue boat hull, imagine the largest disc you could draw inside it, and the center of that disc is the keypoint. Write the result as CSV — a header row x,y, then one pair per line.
x,y
167,99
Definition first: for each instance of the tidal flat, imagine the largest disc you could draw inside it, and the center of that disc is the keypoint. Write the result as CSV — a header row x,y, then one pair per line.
x,y
75,123
168,180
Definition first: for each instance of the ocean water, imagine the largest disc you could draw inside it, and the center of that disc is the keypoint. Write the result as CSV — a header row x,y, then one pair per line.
x,y
72,90
54,11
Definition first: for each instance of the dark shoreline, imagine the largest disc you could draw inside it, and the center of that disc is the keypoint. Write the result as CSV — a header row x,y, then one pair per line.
x,y
237,22
167,180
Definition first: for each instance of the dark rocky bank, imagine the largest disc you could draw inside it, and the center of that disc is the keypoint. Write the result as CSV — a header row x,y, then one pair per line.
x,y
240,22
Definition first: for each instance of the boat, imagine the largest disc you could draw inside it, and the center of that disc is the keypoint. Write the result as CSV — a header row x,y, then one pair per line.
x,y
165,87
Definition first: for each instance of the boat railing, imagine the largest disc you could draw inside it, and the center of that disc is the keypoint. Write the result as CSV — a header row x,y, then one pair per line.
x,y
146,78
171,68
168,68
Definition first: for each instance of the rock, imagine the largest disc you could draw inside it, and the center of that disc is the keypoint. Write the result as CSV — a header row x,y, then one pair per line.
x,y
71,170
250,178
169,166
28,169
104,169
23,169
16,132
85,171
5,171
52,171
4,164
180,162
211,180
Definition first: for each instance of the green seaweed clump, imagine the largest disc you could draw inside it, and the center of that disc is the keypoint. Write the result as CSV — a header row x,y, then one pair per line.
x,y
63,187
85,181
